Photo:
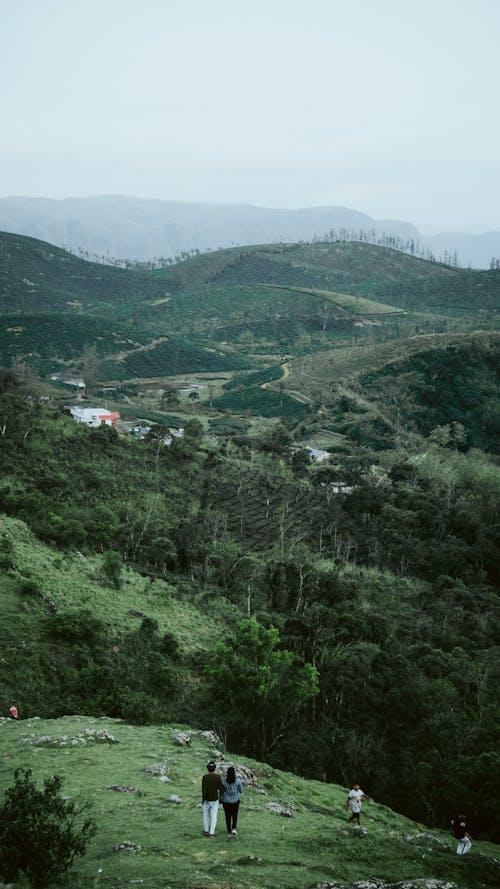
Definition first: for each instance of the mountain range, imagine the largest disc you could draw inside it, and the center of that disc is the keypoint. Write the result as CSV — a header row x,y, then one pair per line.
x,y
131,228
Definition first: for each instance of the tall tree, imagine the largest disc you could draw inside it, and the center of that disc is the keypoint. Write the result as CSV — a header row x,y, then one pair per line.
x,y
258,687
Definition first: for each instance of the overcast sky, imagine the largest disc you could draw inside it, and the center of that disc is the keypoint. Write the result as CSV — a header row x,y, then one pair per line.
x,y
383,106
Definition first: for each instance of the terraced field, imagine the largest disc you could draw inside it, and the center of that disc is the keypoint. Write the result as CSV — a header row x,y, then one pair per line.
x,y
260,508
242,308
355,304
324,369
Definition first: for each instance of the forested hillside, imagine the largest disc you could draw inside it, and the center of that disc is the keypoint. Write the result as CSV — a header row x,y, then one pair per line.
x,y
312,567
358,631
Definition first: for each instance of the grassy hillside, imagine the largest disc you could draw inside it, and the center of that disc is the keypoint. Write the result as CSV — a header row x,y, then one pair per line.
x,y
145,790
62,618
257,303
36,276
389,589
362,269
71,581
419,383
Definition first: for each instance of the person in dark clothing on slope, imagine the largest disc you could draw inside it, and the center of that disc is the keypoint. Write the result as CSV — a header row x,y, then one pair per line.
x,y
211,789
231,790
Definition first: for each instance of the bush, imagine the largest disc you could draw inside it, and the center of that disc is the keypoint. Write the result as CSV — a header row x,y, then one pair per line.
x,y
30,588
112,567
6,551
78,626
38,833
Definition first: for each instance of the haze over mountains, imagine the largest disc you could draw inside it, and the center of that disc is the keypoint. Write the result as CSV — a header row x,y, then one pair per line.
x,y
144,229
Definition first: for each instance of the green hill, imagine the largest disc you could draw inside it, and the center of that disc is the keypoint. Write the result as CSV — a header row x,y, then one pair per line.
x,y
191,331
36,276
246,306
361,269
49,339
145,789
417,383
235,529
330,614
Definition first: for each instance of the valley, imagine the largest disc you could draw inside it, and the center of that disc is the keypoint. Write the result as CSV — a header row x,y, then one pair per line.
x,y
310,569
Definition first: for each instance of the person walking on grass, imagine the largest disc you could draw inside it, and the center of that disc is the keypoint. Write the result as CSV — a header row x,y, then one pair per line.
x,y
231,790
459,828
353,803
211,789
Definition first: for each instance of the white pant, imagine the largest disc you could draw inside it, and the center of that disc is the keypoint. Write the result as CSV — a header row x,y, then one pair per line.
x,y
210,809
463,846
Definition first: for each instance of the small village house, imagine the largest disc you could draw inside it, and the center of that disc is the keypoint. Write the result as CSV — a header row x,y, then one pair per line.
x,y
94,416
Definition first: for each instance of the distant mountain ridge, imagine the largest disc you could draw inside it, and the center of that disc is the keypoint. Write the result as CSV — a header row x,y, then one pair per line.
x,y
145,229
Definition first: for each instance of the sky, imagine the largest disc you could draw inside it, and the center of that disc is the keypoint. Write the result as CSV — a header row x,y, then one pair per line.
x,y
383,106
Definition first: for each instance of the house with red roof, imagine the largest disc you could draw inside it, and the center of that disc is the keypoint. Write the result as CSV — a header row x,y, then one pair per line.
x,y
94,416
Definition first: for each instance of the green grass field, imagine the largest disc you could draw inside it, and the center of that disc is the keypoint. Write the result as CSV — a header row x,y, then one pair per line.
x,y
158,824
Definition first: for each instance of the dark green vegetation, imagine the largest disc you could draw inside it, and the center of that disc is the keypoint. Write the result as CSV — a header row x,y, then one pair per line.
x,y
337,618
389,592
445,387
38,277
40,833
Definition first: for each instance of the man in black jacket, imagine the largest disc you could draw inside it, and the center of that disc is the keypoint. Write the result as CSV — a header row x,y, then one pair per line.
x,y
211,789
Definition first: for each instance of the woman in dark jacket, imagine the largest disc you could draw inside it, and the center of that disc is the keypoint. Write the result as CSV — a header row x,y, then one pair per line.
x,y
231,790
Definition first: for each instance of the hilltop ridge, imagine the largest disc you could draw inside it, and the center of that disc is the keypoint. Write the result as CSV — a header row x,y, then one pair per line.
x,y
144,229
137,228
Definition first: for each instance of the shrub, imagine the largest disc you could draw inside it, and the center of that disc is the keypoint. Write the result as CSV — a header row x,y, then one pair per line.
x,y
78,626
38,832
30,588
6,551
112,567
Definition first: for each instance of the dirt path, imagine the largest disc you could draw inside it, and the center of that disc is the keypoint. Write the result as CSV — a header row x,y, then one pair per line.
x,y
274,384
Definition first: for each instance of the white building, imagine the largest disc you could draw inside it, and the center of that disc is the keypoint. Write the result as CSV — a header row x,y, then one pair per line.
x,y
318,455
94,416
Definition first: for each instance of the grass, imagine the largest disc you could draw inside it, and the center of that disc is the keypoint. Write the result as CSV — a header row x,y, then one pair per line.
x,y
73,581
355,304
165,846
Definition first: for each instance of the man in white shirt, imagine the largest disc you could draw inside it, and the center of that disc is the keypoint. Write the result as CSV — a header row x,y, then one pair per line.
x,y
353,803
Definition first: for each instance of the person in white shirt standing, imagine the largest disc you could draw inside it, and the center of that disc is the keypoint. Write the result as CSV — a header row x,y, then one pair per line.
x,y
353,803
459,828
